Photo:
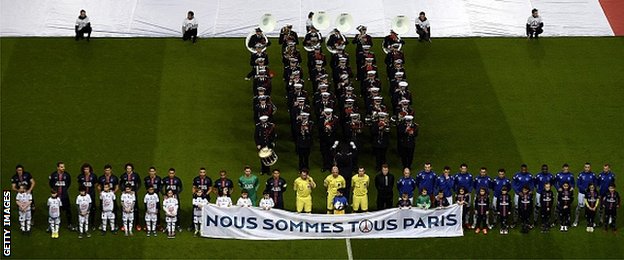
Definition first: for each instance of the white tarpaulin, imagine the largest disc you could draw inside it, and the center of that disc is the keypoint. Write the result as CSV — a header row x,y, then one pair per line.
x,y
236,18
257,224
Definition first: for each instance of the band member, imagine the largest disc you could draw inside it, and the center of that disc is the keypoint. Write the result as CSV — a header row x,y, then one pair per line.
x,y
261,78
336,39
363,70
276,186
407,131
265,136
304,139
380,131
362,39
316,58
353,129
328,126
309,23
396,67
292,67
391,39
327,100
312,39
258,72
376,107
295,112
189,27
360,57
403,110
259,56
349,107
258,38
341,69
290,53
339,53
394,55
422,28
401,94
294,95
264,108
371,81
288,36
83,25
534,25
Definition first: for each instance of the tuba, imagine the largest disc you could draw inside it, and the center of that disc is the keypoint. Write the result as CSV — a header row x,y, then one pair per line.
x,y
320,20
267,24
400,25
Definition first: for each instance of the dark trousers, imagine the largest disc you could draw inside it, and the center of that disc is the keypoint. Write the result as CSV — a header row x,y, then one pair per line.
x,y
328,159
545,215
503,221
304,156
384,201
407,156
590,215
422,35
481,220
564,217
136,209
190,34
380,156
610,216
66,207
525,216
80,33
279,204
534,32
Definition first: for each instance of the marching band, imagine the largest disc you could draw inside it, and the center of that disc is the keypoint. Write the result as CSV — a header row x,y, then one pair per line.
x,y
333,104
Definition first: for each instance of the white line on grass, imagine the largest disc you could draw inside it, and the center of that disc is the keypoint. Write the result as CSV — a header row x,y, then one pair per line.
x,y
349,252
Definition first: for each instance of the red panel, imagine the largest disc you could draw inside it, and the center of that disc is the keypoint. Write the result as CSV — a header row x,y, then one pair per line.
x,y
614,10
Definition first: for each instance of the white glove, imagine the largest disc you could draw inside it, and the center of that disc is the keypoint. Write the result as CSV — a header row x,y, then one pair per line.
x,y
352,145
335,145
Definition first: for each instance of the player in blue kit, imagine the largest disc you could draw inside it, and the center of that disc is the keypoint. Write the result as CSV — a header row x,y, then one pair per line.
x,y
585,178
483,181
498,184
407,184
445,184
426,179
519,180
463,179
541,179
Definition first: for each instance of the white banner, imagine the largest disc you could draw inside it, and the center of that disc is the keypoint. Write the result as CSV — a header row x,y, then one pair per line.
x,y
257,224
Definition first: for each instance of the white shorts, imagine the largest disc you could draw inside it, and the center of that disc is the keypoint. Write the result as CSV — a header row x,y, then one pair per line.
x,y
450,200
516,199
581,200
108,215
56,220
171,219
494,201
127,216
538,198
25,215
150,217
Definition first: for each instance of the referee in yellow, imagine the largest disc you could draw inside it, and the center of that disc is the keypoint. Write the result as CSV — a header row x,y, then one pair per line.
x,y
303,187
333,182
360,182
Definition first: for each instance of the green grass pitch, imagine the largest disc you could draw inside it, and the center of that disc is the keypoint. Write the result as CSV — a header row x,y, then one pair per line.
x,y
494,102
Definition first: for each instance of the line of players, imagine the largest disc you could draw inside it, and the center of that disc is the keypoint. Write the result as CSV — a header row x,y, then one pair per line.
x,y
108,185
337,108
596,196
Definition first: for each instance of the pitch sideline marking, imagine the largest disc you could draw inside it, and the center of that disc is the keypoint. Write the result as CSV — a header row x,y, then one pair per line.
x,y
349,252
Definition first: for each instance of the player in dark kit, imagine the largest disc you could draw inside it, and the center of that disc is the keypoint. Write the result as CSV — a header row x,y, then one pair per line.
x,y
546,202
60,181
564,202
131,178
173,183
592,202
503,209
525,208
88,181
482,207
20,178
611,202
153,180
224,182
276,186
